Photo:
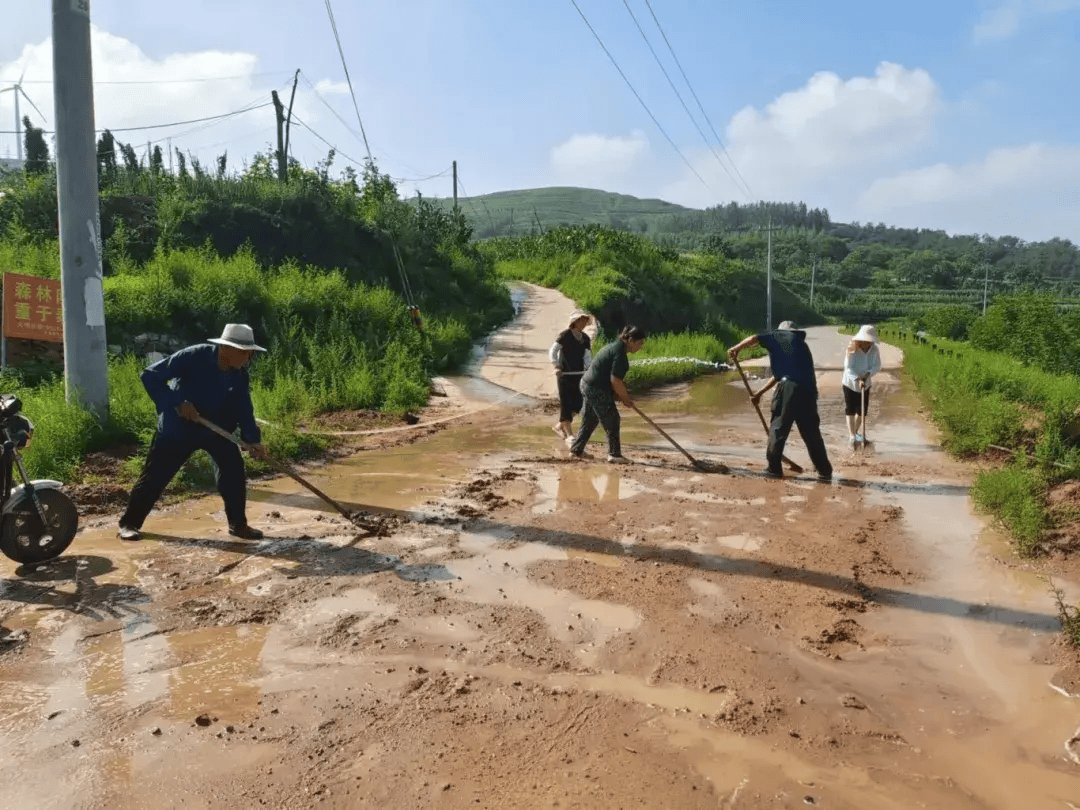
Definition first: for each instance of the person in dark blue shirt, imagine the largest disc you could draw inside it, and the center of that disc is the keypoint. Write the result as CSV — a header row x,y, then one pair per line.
x,y
208,380
795,400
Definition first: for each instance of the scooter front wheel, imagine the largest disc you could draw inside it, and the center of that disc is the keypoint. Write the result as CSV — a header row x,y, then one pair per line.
x,y
22,535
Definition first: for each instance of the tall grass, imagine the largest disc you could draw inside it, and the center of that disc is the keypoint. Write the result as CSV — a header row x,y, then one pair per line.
x,y
982,398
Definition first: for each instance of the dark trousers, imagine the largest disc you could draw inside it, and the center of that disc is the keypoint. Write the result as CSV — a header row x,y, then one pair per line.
x,y
164,460
599,410
851,401
793,404
570,400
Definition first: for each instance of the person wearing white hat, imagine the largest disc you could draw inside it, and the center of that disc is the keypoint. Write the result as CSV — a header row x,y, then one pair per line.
x,y
861,362
570,354
208,380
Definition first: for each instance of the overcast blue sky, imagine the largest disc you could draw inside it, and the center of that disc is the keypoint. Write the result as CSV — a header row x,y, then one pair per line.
x,y
959,115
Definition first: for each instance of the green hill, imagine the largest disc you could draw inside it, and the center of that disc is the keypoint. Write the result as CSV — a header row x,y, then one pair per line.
x,y
511,213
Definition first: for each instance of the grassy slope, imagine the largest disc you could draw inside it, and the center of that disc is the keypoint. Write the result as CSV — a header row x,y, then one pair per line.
x,y
558,205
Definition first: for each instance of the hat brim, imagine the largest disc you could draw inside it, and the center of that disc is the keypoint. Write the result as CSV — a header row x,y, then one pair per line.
x,y
250,347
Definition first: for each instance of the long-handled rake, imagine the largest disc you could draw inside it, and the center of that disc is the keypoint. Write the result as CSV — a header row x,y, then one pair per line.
x,y
369,528
711,466
794,467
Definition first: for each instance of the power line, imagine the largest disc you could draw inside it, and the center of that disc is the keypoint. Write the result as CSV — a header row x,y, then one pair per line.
x,y
328,106
321,138
638,97
333,24
678,95
700,106
160,126
469,199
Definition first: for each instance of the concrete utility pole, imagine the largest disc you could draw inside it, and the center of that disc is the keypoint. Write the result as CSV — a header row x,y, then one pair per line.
x,y
455,185
986,283
813,275
85,350
279,111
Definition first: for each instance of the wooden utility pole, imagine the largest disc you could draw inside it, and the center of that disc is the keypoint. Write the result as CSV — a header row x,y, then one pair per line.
x,y
813,275
455,185
288,118
986,283
86,377
279,113
768,282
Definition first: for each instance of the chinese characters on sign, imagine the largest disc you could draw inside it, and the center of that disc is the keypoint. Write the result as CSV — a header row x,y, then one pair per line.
x,y
32,309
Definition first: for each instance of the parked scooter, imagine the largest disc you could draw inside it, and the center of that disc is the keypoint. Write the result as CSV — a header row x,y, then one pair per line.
x,y
38,521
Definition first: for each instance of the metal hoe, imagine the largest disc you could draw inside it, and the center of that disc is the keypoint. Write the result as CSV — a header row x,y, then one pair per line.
x,y
794,467
717,467
280,467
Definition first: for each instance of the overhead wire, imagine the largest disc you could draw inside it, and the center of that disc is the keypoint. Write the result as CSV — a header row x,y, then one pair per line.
x,y
638,96
469,200
719,140
161,126
678,95
348,80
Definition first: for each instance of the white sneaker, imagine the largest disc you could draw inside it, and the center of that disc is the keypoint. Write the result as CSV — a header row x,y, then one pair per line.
x,y
618,460
853,440
859,439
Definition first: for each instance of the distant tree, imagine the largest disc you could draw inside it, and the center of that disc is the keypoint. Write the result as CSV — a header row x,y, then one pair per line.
x,y
37,151
181,163
221,163
131,160
157,164
106,157
196,167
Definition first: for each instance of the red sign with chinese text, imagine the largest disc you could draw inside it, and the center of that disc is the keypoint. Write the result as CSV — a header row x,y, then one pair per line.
x,y
32,309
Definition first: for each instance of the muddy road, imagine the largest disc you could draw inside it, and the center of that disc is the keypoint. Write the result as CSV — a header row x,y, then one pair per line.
x,y
534,632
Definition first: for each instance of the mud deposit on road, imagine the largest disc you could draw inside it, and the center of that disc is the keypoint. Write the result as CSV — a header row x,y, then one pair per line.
x,y
533,632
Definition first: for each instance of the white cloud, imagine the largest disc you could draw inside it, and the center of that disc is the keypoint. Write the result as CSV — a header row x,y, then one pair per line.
x,y
829,132
157,91
998,23
1005,20
1028,191
330,87
598,161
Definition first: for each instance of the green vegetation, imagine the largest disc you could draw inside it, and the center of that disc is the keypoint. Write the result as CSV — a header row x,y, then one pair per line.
x,y
622,278
646,371
323,269
518,213
850,271
982,400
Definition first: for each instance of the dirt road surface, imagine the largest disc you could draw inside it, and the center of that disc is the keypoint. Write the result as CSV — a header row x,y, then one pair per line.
x,y
534,632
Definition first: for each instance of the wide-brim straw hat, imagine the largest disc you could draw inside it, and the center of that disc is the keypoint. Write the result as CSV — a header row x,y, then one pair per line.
x,y
868,333
578,315
788,326
239,336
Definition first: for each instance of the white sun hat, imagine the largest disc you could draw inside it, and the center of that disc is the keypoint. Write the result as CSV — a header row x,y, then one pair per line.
x,y
868,333
239,336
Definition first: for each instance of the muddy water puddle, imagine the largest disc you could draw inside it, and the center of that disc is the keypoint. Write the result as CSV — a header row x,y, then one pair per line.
x,y
948,658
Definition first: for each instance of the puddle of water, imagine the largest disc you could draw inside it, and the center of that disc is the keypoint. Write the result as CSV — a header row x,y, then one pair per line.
x,y
568,486
217,674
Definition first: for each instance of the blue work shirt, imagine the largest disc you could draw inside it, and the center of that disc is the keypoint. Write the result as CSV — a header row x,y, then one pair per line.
x,y
193,375
790,356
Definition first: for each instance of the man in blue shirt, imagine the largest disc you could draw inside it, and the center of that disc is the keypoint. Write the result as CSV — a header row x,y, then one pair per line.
x,y
795,400
208,380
